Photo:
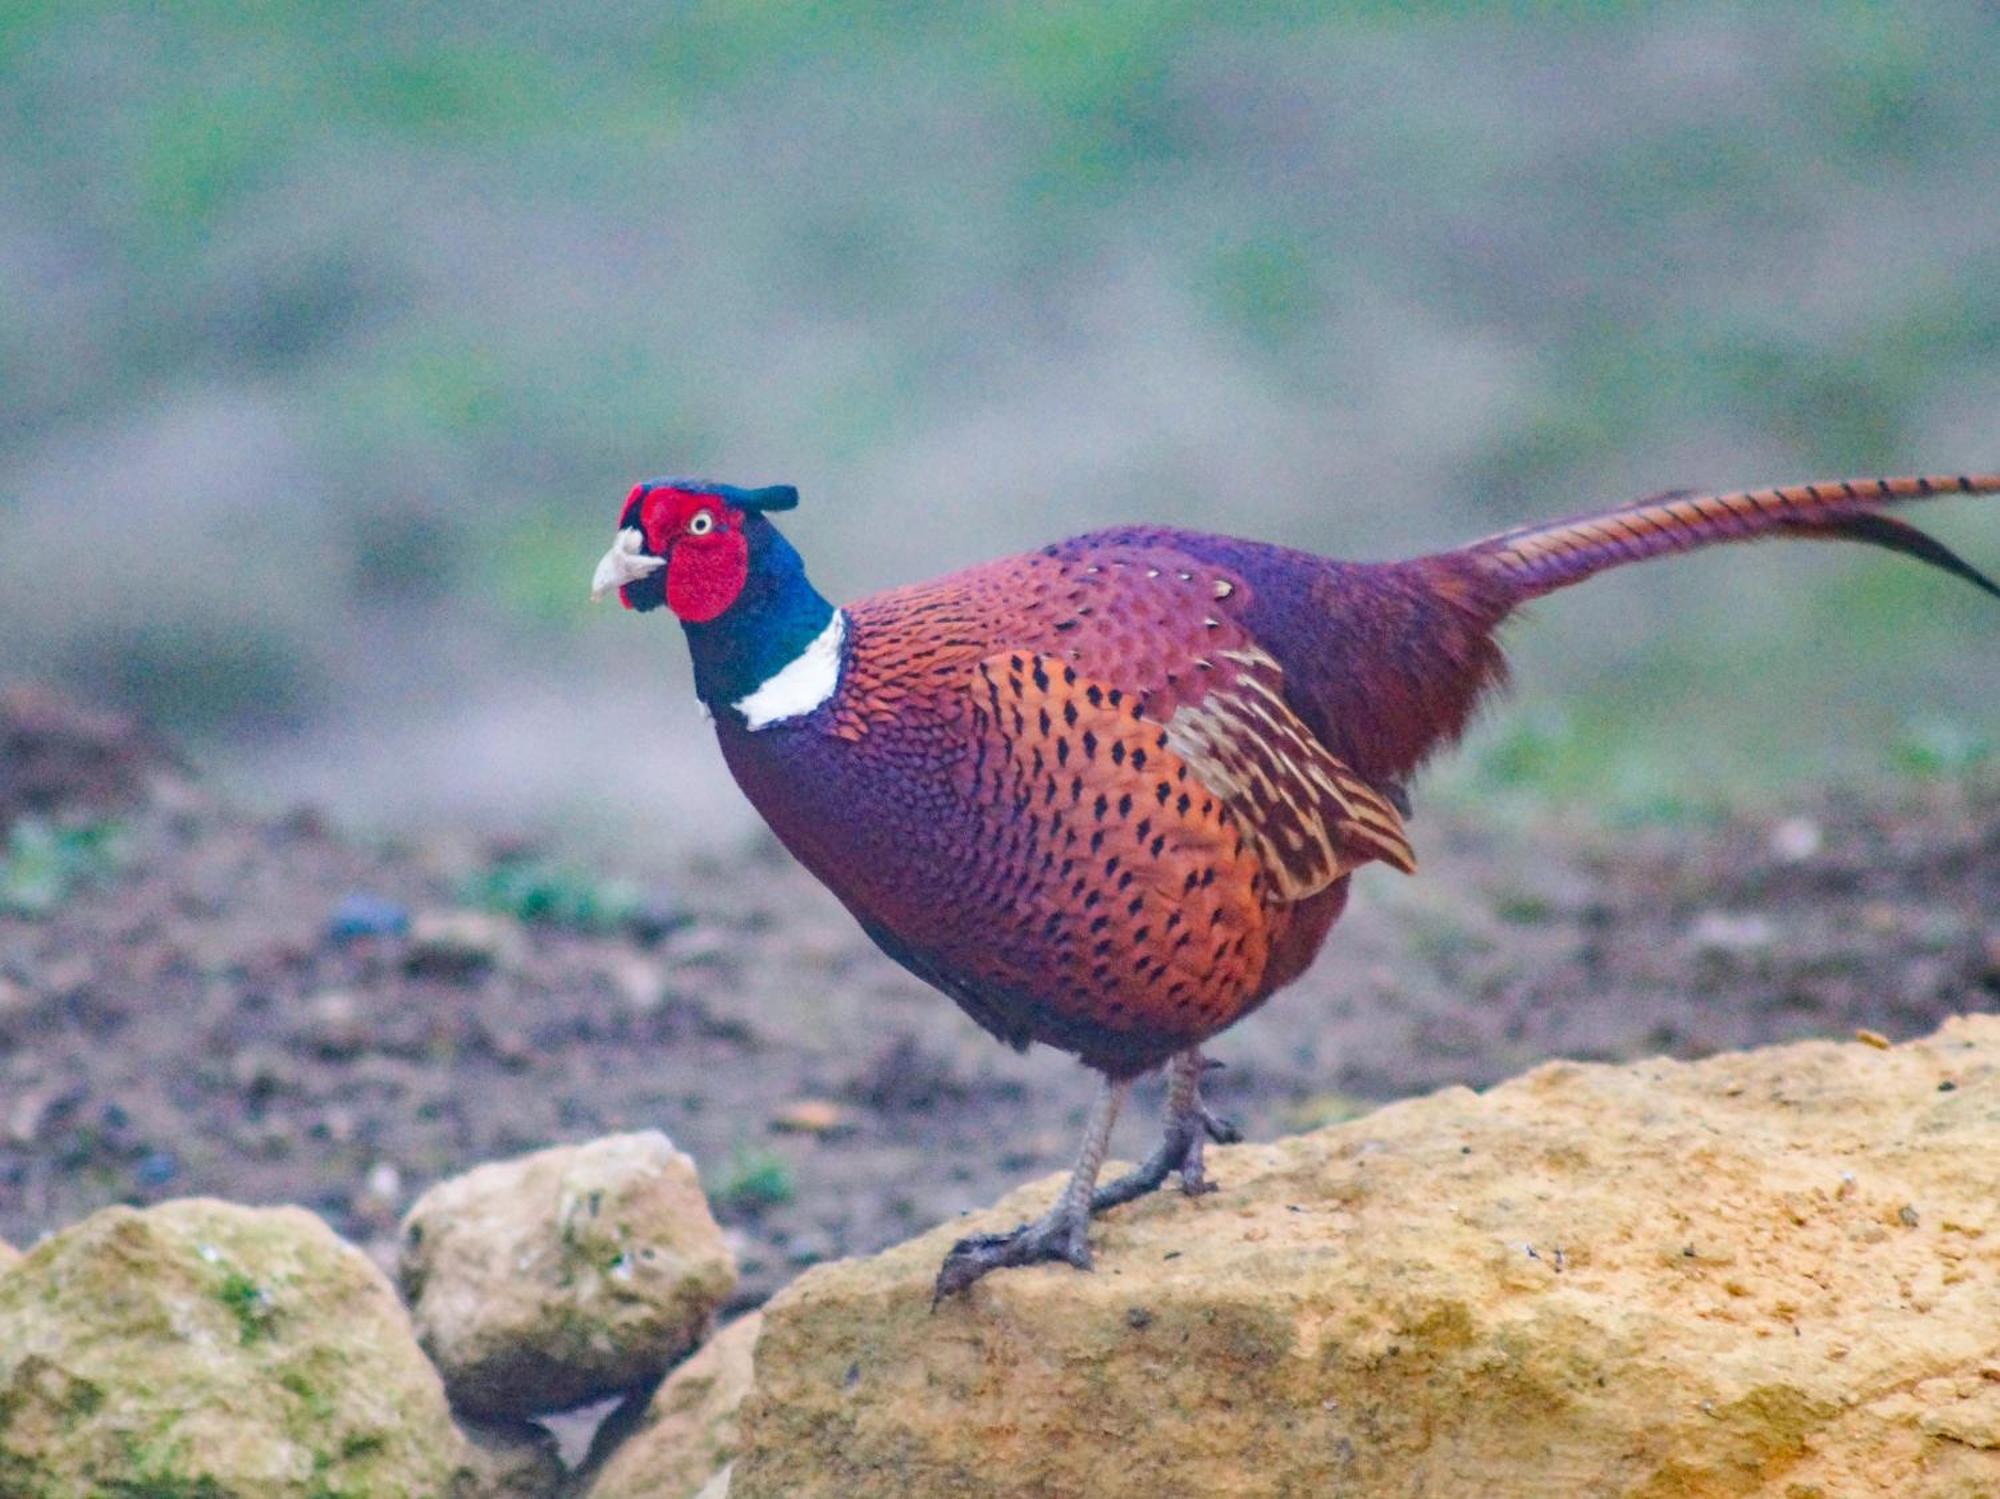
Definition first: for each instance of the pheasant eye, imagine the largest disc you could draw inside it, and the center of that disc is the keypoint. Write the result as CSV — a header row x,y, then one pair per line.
x,y
702,523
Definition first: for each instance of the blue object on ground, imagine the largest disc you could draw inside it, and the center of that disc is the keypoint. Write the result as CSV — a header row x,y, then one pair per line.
x,y
363,915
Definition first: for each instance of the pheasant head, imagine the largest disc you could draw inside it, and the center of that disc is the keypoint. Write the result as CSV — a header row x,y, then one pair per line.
x,y
763,640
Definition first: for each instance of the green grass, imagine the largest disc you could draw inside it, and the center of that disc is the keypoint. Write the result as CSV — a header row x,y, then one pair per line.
x,y
250,1304
562,895
755,1179
44,863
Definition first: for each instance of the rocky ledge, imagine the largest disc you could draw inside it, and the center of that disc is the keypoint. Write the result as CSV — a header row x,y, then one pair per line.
x,y
1770,1273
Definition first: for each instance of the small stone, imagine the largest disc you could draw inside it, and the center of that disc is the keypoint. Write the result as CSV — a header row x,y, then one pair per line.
x,y
512,1049
260,1074
564,1276
813,1116
362,915
1724,931
1873,1038
641,984
333,1025
337,1126
384,1182
1796,839
658,915
695,945
462,945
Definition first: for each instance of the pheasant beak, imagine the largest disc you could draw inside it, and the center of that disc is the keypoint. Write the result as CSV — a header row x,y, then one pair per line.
x,y
626,562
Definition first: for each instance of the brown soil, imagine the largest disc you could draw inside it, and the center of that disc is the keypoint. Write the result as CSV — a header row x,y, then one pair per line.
x,y
185,1022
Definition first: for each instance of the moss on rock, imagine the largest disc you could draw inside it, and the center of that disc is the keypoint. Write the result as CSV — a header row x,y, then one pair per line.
x,y
201,1350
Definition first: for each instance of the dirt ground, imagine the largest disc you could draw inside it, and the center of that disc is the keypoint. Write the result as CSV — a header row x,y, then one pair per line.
x,y
202,1001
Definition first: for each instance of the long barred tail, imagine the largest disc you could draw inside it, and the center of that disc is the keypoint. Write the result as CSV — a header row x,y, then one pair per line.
x,y
1534,560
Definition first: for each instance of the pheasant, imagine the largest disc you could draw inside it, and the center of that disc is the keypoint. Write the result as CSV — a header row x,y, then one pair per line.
x,y
1109,795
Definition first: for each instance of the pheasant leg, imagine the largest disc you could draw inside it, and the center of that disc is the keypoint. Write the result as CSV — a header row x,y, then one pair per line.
x,y
1063,1233
1189,1127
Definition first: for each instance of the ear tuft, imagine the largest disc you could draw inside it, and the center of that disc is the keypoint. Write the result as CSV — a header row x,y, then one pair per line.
x,y
770,497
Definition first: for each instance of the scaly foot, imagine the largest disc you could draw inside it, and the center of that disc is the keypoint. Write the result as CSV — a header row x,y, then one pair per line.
x,y
1063,1234
1058,1236
1188,1128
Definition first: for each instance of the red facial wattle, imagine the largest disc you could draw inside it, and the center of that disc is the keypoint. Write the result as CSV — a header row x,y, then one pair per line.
x,y
705,575
708,561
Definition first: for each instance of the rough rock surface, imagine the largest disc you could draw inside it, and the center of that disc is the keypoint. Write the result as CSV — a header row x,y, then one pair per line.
x,y
687,1432
563,1276
1770,1273
517,1461
200,1348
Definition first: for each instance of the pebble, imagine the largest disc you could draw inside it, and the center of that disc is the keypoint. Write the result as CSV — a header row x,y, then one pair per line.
x,y
337,1126
696,945
360,915
333,1024
384,1182
461,945
1796,839
658,916
260,1073
1722,931
813,1116
641,983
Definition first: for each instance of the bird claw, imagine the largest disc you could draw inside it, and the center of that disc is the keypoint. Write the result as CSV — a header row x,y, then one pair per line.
x,y
1221,1131
1050,1238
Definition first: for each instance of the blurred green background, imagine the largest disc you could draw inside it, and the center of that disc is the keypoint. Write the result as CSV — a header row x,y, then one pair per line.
x,y
332,337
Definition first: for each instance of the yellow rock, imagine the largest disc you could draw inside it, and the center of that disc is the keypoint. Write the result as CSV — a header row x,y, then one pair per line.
x,y
551,1279
688,1433
1771,1273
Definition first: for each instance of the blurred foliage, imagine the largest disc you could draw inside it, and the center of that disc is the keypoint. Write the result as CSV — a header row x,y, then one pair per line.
x,y
1942,747
354,323
557,894
44,862
755,1179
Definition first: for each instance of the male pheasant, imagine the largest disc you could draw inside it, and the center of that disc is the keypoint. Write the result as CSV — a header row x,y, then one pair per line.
x,y
1108,795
